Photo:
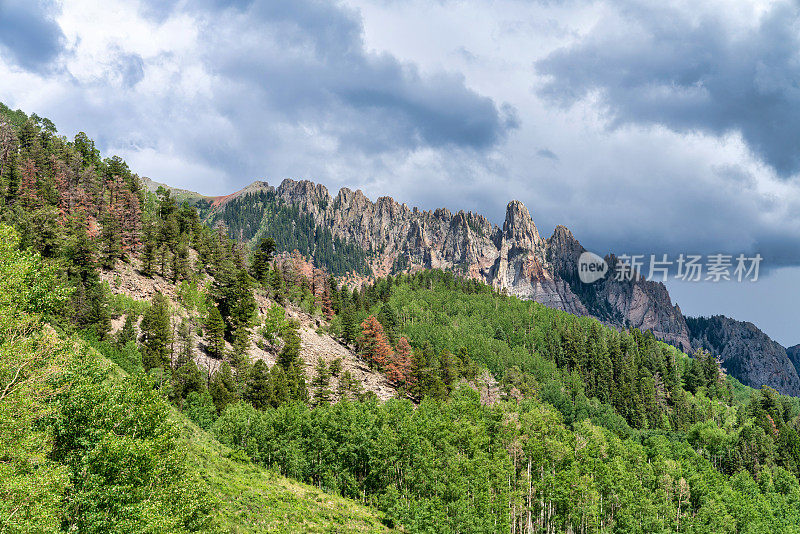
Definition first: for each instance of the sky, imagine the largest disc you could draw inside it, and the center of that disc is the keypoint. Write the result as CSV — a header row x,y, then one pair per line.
x,y
646,128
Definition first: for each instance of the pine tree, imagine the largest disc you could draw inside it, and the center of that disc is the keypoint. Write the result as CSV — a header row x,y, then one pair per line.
x,y
242,304
388,319
321,383
448,369
180,263
239,348
262,258
128,331
222,387
296,382
289,355
111,238
280,386
373,345
29,187
185,342
398,371
259,388
186,378
349,325
215,332
156,333
149,247
277,285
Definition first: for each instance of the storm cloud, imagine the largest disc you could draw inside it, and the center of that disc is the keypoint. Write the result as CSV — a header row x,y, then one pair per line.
x,y
29,35
690,70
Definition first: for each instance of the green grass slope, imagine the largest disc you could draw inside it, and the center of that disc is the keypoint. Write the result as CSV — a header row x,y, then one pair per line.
x,y
249,498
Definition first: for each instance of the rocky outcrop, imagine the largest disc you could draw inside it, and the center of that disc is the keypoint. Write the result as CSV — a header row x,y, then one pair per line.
x,y
794,356
746,352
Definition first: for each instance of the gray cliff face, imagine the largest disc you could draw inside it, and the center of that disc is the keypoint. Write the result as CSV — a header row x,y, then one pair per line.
x,y
515,258
794,356
746,352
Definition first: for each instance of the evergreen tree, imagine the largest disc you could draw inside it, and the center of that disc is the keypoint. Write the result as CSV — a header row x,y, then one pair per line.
x,y
277,286
398,372
222,387
186,342
262,258
239,348
128,331
280,386
156,335
215,332
296,382
388,319
259,388
448,368
373,345
349,325
321,383
289,355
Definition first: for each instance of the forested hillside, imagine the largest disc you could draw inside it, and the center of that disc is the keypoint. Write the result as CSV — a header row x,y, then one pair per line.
x,y
258,215
155,378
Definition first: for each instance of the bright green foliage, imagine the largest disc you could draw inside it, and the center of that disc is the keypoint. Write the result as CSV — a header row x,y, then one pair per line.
x,y
31,484
129,471
274,323
458,466
632,372
251,499
81,450
127,356
200,408
27,285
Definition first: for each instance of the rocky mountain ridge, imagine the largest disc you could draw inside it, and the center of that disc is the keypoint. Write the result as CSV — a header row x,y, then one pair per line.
x,y
735,342
515,258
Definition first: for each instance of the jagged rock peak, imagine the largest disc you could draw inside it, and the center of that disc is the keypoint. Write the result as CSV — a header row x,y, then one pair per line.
x,y
563,240
562,233
348,197
519,226
302,190
443,213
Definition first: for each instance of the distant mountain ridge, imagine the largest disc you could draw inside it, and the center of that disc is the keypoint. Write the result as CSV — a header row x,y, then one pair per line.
x,y
515,258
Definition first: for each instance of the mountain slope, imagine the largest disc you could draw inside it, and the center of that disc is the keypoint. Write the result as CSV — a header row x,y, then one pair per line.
x,y
746,351
249,498
513,257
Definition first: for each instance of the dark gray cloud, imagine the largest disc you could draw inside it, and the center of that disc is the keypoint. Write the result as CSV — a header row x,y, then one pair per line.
x,y
688,71
29,35
305,61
